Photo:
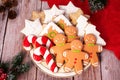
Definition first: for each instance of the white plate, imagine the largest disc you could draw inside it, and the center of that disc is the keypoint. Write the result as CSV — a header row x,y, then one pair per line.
x,y
43,67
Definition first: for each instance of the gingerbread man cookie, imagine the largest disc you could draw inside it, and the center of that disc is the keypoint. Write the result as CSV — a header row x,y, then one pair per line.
x,y
61,46
74,57
92,48
71,33
62,21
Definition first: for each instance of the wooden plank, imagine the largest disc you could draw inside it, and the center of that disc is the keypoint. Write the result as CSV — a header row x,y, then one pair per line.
x,y
13,38
42,76
110,66
90,74
3,21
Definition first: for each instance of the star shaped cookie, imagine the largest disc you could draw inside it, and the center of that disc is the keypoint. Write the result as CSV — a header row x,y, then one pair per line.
x,y
32,27
51,13
70,8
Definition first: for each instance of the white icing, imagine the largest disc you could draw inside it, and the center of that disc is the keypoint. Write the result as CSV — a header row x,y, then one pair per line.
x,y
70,8
64,19
54,27
82,23
32,27
49,14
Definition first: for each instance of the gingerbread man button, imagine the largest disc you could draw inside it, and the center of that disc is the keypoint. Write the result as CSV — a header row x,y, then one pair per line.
x,y
92,48
59,48
74,57
71,33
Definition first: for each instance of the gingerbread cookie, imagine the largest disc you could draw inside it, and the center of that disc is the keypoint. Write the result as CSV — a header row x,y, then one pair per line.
x,y
51,30
92,48
61,46
62,21
71,33
74,57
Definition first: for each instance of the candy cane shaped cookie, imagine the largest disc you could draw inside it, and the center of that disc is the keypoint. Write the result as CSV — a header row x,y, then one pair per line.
x,y
28,41
43,40
47,56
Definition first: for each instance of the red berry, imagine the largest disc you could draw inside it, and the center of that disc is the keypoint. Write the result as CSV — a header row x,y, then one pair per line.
x,y
4,76
1,71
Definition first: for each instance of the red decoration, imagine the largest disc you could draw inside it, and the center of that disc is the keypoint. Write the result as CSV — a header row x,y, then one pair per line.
x,y
106,20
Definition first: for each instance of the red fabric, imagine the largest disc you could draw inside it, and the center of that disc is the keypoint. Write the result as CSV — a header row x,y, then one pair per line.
x,y
106,20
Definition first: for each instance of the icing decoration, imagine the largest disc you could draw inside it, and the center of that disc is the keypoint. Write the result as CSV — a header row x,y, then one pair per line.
x,y
51,13
76,51
51,34
70,8
51,27
82,23
62,20
90,44
32,27
71,36
60,44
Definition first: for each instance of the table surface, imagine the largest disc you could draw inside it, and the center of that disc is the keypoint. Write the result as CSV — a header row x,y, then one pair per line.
x,y
11,43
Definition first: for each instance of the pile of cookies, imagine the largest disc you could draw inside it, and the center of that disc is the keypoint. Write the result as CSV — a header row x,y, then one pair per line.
x,y
63,37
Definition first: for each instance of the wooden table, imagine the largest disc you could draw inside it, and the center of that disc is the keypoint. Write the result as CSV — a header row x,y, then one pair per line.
x,y
11,43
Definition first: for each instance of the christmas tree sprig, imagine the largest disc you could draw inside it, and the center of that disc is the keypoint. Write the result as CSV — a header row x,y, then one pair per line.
x,y
96,5
12,69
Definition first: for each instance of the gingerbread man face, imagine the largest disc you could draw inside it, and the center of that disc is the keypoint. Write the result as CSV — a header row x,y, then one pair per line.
x,y
71,33
71,30
76,45
59,39
90,39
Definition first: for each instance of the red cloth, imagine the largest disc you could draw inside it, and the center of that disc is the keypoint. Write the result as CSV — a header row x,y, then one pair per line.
x,y
106,20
